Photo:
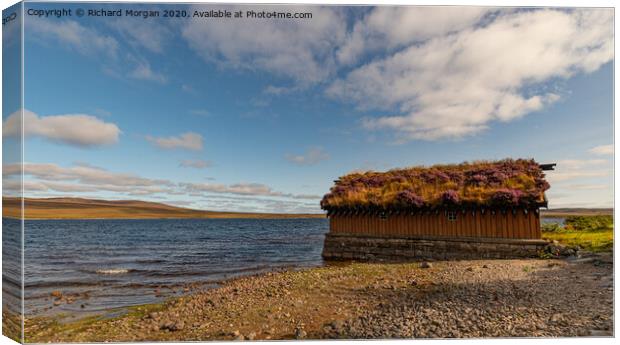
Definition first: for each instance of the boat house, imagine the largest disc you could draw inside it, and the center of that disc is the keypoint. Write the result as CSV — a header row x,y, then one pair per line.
x,y
486,209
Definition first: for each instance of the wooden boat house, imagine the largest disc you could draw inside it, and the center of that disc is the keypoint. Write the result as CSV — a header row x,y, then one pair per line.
x,y
469,210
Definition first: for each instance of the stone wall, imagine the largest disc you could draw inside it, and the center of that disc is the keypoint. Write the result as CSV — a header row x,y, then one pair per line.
x,y
368,248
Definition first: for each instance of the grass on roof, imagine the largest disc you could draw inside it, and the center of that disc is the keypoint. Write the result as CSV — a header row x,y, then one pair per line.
x,y
503,183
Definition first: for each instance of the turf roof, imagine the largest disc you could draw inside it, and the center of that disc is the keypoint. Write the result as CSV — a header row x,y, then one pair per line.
x,y
502,184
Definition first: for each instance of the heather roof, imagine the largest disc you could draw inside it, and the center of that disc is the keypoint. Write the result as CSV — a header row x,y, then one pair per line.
x,y
504,183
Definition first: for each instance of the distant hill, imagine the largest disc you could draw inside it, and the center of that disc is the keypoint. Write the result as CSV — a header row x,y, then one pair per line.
x,y
77,208
565,212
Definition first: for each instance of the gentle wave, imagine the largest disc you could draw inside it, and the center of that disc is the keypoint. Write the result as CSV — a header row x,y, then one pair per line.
x,y
113,271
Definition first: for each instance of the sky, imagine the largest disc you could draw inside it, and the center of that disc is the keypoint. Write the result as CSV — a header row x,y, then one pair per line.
x,y
261,115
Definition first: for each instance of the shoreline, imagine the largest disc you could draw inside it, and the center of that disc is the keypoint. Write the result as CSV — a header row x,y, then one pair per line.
x,y
265,216
172,218
370,300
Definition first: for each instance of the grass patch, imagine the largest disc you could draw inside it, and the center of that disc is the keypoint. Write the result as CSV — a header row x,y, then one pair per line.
x,y
592,233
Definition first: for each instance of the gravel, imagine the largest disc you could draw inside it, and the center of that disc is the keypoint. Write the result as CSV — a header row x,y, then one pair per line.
x,y
457,299
534,298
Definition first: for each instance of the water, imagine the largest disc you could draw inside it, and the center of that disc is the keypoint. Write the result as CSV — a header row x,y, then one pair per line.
x,y
550,220
114,263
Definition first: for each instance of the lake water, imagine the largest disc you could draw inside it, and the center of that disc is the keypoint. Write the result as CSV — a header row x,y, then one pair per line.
x,y
549,220
105,264
116,263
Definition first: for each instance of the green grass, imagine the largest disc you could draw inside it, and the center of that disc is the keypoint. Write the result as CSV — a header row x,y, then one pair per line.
x,y
592,233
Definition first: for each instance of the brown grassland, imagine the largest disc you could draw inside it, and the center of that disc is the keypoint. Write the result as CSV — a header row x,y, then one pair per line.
x,y
77,208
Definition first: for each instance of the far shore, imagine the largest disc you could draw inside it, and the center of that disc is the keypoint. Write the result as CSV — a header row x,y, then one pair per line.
x,y
77,208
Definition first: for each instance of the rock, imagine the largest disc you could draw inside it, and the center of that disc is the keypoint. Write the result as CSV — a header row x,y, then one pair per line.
x,y
153,315
485,266
425,264
300,333
236,333
239,337
555,318
172,326
178,326
251,336
56,294
600,333
57,303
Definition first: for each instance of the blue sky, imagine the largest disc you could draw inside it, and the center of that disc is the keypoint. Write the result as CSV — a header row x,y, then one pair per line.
x,y
262,115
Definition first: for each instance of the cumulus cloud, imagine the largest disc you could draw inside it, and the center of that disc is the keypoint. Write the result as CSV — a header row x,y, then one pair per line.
x,y
602,150
189,141
456,84
300,49
312,156
195,163
390,27
80,130
72,34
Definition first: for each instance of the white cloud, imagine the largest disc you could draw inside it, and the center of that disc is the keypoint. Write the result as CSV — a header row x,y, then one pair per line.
x,y
576,169
143,71
577,164
299,49
456,84
48,179
70,33
588,187
189,141
84,174
45,177
255,189
574,175
195,163
312,156
602,150
581,183
148,34
389,27
74,129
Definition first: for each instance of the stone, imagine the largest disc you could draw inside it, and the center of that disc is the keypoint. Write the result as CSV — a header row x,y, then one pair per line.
x,y
300,333
555,318
425,264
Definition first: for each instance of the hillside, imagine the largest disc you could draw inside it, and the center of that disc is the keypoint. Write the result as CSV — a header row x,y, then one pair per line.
x,y
77,208
565,212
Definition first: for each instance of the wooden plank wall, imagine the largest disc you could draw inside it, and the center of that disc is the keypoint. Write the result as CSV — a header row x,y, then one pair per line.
x,y
468,224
